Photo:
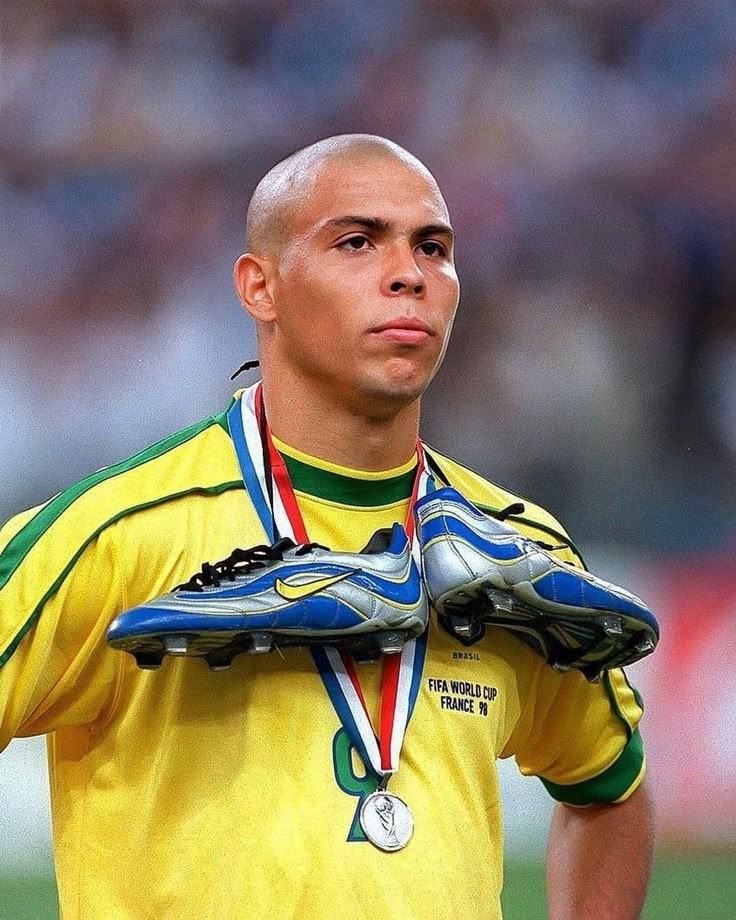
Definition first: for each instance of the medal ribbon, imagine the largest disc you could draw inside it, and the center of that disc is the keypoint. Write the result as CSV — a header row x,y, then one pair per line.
x,y
269,485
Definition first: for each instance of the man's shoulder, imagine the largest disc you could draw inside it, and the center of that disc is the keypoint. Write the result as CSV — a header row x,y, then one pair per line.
x,y
197,456
195,459
534,520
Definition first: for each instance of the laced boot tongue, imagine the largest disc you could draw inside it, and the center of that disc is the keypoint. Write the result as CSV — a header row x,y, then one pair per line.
x,y
259,554
240,560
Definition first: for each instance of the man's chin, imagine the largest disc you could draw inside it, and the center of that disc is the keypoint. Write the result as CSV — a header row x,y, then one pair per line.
x,y
391,394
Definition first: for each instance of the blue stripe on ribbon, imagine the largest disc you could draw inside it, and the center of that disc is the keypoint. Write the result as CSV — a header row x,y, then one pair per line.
x,y
337,698
420,653
247,468
420,648
319,655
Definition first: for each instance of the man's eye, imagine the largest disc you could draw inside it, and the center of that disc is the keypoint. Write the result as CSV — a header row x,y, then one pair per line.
x,y
356,243
430,248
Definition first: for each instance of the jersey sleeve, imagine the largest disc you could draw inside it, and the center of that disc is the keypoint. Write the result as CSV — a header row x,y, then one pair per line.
x,y
581,739
56,601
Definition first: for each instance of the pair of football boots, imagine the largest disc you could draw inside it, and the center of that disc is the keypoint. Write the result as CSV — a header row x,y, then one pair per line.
x,y
477,570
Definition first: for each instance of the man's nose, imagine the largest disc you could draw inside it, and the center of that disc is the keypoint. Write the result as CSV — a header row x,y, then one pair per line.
x,y
403,276
402,285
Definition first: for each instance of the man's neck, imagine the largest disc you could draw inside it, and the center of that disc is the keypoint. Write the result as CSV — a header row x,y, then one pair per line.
x,y
306,419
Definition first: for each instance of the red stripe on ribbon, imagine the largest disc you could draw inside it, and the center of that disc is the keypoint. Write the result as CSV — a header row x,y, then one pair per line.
x,y
347,660
410,524
391,663
389,689
281,476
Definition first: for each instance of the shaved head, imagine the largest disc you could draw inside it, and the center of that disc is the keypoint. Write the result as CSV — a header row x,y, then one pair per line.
x,y
350,277
290,182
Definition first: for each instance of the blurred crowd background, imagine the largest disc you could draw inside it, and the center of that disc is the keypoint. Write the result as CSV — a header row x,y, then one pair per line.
x,y
587,150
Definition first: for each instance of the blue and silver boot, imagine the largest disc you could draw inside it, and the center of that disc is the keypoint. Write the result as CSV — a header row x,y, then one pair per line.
x,y
281,595
479,568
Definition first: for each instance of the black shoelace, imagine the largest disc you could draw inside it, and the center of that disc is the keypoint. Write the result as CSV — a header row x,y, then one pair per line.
x,y
518,508
242,561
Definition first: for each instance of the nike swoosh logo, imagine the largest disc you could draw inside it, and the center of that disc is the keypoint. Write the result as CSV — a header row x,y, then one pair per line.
x,y
297,592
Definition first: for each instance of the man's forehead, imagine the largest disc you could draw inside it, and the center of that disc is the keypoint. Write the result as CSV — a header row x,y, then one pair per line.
x,y
354,173
389,190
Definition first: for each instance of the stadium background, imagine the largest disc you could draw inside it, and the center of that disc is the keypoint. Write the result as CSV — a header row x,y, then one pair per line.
x,y
586,150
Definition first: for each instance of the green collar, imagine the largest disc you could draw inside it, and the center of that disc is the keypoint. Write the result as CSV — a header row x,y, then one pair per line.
x,y
348,490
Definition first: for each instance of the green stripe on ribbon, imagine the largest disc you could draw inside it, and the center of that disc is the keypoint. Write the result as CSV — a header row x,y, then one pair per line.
x,y
608,786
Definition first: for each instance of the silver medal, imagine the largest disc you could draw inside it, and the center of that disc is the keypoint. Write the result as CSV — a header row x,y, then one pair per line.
x,y
386,820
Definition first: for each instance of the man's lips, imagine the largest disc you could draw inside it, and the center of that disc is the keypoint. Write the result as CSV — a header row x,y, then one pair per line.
x,y
404,330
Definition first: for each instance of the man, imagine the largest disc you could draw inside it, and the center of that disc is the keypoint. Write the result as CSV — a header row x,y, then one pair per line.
x,y
184,792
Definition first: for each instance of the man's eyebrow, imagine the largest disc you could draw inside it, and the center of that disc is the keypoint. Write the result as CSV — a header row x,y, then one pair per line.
x,y
435,230
351,220
378,225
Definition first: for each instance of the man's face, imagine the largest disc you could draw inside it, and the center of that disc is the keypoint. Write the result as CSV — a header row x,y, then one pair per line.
x,y
366,289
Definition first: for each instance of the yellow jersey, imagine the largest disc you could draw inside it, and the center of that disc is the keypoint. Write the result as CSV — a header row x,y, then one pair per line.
x,y
184,793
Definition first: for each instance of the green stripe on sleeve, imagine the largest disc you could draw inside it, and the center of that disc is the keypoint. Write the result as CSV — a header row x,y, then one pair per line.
x,y
608,786
60,579
26,538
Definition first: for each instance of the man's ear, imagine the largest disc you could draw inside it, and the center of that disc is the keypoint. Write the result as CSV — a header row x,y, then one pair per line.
x,y
253,277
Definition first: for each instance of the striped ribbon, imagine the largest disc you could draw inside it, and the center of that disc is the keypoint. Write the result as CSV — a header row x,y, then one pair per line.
x,y
278,510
